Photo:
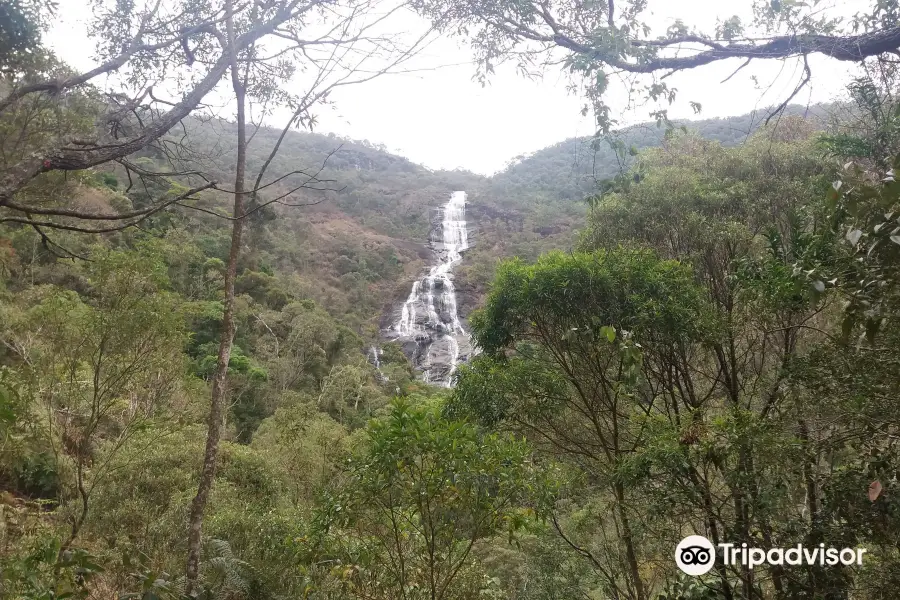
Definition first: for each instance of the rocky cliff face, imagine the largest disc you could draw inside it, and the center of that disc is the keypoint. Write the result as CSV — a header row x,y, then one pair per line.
x,y
428,324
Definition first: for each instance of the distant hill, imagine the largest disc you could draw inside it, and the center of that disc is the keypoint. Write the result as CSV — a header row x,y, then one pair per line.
x,y
536,203
570,169
356,248
353,248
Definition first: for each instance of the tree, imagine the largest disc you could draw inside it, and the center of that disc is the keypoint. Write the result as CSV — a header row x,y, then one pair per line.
x,y
97,371
133,41
737,409
420,495
612,38
59,122
248,72
308,446
742,219
21,24
56,121
564,343
862,205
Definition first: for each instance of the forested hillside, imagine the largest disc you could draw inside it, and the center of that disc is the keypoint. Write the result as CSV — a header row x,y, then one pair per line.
x,y
356,238
684,337
539,203
359,244
571,169
362,238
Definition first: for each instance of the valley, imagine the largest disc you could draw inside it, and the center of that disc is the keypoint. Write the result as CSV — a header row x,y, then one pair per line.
x,y
242,358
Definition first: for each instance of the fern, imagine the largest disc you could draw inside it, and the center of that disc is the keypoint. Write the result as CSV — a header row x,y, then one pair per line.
x,y
224,576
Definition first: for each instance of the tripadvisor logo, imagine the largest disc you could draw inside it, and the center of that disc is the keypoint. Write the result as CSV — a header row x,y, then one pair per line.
x,y
696,555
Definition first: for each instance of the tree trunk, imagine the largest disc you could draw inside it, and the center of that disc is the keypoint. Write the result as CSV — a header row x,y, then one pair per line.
x,y
628,540
78,521
216,412
812,504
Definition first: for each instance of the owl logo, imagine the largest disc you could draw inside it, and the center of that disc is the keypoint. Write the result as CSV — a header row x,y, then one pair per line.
x,y
695,555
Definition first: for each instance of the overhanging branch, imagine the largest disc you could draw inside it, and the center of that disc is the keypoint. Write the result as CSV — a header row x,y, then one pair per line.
x,y
852,48
140,215
68,158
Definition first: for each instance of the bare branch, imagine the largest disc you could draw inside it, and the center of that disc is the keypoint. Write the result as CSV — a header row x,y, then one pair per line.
x,y
70,158
142,215
852,48
735,72
74,81
807,75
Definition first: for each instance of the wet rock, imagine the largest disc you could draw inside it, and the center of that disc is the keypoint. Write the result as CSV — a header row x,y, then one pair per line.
x,y
440,359
410,348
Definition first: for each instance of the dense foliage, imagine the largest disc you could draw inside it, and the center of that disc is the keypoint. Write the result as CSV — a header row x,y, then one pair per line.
x,y
706,345
695,365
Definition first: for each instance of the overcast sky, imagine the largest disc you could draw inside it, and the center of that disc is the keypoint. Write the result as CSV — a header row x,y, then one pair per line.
x,y
440,117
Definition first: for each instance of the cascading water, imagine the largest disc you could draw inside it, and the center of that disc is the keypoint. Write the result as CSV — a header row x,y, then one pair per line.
x,y
374,355
429,317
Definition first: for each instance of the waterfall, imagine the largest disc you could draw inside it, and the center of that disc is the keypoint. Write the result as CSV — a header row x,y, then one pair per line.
x,y
429,318
374,353
373,356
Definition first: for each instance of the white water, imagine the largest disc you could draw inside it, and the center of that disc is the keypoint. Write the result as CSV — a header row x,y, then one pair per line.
x,y
435,323
374,353
375,361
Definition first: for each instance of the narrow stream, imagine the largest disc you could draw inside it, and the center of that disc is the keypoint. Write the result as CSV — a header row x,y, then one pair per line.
x,y
429,316
374,357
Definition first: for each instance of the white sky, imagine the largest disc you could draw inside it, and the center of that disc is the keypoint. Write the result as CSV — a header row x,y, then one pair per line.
x,y
441,118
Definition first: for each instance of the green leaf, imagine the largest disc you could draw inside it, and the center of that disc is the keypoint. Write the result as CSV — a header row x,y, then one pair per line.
x,y
609,332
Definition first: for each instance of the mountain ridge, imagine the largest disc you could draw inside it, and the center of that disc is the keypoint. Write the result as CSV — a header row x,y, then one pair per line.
x,y
357,243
